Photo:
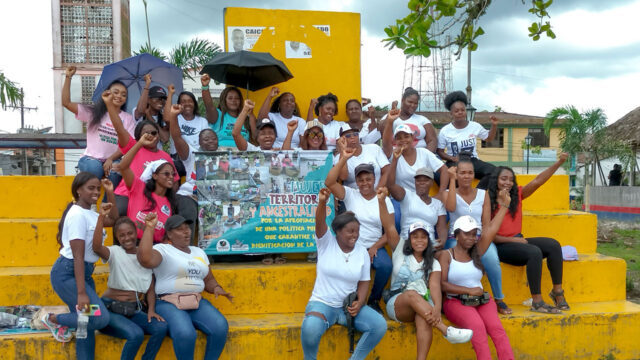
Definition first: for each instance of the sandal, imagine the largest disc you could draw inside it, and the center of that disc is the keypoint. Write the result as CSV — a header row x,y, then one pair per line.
x,y
312,257
544,308
562,304
503,308
279,259
267,260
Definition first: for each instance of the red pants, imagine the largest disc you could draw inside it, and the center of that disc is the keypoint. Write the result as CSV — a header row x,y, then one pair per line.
x,y
481,319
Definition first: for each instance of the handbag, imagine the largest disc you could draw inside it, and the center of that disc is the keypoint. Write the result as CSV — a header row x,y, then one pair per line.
x,y
472,300
387,294
125,308
183,301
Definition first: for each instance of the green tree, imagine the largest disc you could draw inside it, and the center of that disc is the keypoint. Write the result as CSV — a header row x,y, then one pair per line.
x,y
10,94
145,49
416,35
189,56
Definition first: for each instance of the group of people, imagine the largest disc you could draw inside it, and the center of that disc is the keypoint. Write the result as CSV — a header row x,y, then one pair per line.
x,y
440,246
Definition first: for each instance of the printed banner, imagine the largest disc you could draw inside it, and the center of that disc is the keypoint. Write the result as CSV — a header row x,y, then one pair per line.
x,y
260,202
242,37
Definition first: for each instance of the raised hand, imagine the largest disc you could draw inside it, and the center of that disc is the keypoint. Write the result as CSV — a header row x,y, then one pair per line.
x,y
394,112
147,139
205,79
248,105
314,102
394,104
453,173
503,198
151,220
564,156
147,80
171,90
175,110
347,152
494,120
292,125
107,97
274,92
397,152
107,185
105,208
382,192
70,71
323,195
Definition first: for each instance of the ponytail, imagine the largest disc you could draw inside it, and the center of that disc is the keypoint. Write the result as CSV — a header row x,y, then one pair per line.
x,y
82,178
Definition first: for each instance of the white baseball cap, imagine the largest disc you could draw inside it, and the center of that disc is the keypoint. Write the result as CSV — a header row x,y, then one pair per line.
x,y
402,128
418,225
465,223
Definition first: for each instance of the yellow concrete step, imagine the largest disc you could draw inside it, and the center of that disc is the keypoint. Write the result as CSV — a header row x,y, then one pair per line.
x,y
553,195
605,330
569,227
260,289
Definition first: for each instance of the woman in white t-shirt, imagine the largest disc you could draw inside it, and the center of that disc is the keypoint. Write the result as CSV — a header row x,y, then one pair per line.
x,y
474,202
182,272
266,132
127,286
71,274
423,131
364,154
460,136
343,268
369,133
325,108
281,111
415,294
362,201
313,136
461,281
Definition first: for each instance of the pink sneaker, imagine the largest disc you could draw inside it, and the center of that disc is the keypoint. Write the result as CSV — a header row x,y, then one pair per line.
x,y
60,333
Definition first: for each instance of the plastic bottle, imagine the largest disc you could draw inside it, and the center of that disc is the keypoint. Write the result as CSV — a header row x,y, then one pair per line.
x,y
427,295
81,330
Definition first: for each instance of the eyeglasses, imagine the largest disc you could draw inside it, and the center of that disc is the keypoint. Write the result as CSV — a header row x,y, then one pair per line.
x,y
167,173
152,132
316,134
351,134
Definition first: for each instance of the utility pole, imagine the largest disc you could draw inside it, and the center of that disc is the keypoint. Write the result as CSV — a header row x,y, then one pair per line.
x,y
25,168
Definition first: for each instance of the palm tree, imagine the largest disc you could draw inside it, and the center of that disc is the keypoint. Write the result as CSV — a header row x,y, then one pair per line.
x,y
189,56
145,49
10,94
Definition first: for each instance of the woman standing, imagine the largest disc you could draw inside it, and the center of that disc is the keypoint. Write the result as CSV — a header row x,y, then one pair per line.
x,y
225,116
182,273
514,249
281,111
343,268
423,131
71,274
368,130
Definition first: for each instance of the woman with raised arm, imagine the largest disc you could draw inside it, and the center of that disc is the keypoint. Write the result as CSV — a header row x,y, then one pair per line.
x,y
460,136
182,273
363,202
325,108
102,149
466,303
368,130
281,111
467,200
515,249
363,154
223,118
150,106
129,286
266,132
71,274
343,268
423,131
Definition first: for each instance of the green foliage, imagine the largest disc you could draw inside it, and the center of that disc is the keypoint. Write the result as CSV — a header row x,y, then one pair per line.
x,y
10,94
145,49
192,55
535,149
382,108
416,36
579,132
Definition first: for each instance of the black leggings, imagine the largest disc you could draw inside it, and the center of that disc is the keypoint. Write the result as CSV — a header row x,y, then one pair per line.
x,y
481,169
531,255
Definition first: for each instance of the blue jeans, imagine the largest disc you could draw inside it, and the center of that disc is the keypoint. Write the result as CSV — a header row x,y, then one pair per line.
x,y
133,329
396,214
491,264
94,166
183,325
383,265
63,282
368,321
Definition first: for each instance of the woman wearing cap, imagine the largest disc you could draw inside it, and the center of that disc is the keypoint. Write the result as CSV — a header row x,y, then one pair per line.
x,y
182,272
363,202
343,268
325,108
423,131
466,304
514,249
223,118
369,133
363,154
460,136
266,132
467,200
313,136
411,299
150,106
102,149
281,111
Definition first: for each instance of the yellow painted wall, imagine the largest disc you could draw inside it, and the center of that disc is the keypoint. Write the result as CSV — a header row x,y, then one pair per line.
x,y
515,142
335,63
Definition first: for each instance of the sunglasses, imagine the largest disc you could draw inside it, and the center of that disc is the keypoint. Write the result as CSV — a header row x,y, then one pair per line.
x,y
167,173
152,132
316,134
351,134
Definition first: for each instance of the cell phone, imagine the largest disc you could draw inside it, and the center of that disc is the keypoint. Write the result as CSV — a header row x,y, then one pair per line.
x,y
92,310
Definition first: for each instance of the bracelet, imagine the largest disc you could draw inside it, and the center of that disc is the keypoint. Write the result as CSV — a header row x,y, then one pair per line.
x,y
204,88
506,206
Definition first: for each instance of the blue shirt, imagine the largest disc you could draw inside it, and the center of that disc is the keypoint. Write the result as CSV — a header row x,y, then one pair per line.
x,y
223,128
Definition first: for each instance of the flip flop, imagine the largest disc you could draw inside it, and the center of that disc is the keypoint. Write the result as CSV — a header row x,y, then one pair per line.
x,y
267,260
545,308
280,260
503,308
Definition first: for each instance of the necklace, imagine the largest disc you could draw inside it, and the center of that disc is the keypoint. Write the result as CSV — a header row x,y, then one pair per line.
x,y
347,256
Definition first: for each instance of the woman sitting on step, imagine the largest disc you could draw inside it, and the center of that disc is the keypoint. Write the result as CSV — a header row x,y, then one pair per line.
x,y
182,273
343,268
126,288
514,249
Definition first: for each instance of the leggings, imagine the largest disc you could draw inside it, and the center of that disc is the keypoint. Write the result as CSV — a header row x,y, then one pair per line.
x,y
531,255
482,170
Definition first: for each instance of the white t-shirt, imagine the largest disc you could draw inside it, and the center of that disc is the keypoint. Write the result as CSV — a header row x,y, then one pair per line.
x,y
371,154
281,130
367,137
338,273
332,133
413,209
416,123
79,224
126,273
367,213
405,173
180,272
398,258
456,140
463,208
190,130
187,188
251,147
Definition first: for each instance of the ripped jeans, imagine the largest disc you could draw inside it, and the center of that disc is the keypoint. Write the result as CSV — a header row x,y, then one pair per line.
x,y
368,321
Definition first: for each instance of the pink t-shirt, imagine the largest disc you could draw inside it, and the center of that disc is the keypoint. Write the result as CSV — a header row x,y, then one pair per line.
x,y
137,209
102,140
140,161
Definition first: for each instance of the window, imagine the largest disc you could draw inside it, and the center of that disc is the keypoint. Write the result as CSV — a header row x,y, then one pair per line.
x,y
87,31
497,142
88,86
539,138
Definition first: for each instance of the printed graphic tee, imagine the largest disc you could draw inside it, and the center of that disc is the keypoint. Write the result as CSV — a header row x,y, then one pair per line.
x,y
456,140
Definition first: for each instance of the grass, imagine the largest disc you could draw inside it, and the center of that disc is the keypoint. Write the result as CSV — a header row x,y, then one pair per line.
x,y
625,244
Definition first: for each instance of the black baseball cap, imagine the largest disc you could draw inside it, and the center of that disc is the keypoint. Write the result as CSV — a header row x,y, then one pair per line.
x,y
175,221
364,167
157,92
266,122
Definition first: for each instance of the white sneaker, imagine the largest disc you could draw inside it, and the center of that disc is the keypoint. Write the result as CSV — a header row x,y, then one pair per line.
x,y
458,336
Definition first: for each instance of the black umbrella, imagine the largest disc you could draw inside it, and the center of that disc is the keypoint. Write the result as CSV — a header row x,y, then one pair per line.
x,y
247,69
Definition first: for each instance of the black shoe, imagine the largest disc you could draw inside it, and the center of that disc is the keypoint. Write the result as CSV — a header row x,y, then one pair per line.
x,y
375,305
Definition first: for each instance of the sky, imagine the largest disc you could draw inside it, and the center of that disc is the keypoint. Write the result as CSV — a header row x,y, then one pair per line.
x,y
592,63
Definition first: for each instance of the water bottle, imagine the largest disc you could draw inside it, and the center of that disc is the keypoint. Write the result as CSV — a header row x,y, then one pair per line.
x,y
81,330
427,295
